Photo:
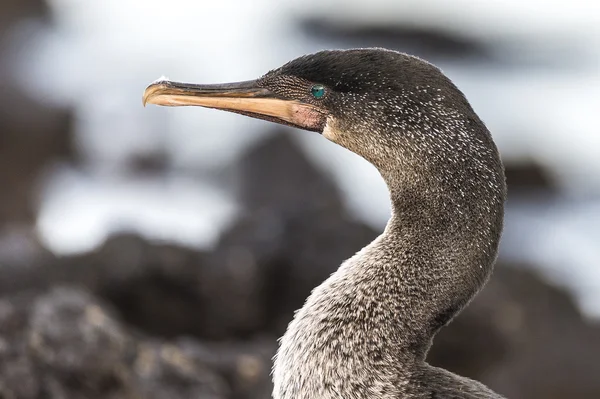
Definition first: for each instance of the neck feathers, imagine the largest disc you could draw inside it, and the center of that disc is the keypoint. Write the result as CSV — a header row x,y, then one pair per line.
x,y
367,328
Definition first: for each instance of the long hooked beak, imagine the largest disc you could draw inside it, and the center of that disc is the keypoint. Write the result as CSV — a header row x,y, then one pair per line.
x,y
246,98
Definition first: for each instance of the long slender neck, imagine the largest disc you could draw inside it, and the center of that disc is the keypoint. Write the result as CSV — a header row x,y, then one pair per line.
x,y
441,241
367,328
425,267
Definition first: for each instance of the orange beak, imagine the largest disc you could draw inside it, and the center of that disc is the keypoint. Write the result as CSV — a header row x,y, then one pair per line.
x,y
247,98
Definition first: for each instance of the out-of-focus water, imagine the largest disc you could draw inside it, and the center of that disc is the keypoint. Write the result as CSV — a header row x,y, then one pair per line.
x,y
99,56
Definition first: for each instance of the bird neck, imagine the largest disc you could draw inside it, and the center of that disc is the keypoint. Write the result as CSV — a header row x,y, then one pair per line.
x,y
439,246
436,253
381,309
423,276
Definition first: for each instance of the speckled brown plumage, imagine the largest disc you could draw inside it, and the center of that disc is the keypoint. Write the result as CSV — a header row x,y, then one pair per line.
x,y
365,332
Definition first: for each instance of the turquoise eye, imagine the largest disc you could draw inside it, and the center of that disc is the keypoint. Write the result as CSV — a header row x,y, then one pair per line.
x,y
317,91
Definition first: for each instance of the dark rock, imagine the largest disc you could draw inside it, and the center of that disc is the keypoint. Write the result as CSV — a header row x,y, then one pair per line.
x,y
20,251
275,176
18,372
530,176
554,350
153,163
71,333
28,147
246,365
33,135
294,234
154,286
524,338
62,344
271,271
12,11
67,344
170,371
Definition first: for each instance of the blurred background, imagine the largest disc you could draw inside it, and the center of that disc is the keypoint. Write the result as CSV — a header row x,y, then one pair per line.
x,y
159,253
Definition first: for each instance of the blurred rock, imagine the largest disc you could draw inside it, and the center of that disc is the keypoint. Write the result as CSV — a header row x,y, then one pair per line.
x,y
152,163
170,371
154,286
67,344
80,349
28,147
20,250
524,338
261,274
246,365
530,176
32,135
294,234
275,176
11,11
18,372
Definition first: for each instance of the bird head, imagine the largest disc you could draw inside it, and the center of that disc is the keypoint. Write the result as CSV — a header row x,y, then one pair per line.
x,y
386,106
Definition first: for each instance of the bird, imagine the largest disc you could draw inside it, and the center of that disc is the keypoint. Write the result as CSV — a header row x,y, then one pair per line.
x,y
364,333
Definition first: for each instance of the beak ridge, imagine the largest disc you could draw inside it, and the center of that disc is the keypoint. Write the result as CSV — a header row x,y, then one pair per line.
x,y
169,93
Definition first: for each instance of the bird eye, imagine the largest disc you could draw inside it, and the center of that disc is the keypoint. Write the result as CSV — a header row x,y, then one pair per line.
x,y
317,91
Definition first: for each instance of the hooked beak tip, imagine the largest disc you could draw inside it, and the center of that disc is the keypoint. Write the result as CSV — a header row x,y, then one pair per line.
x,y
153,90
